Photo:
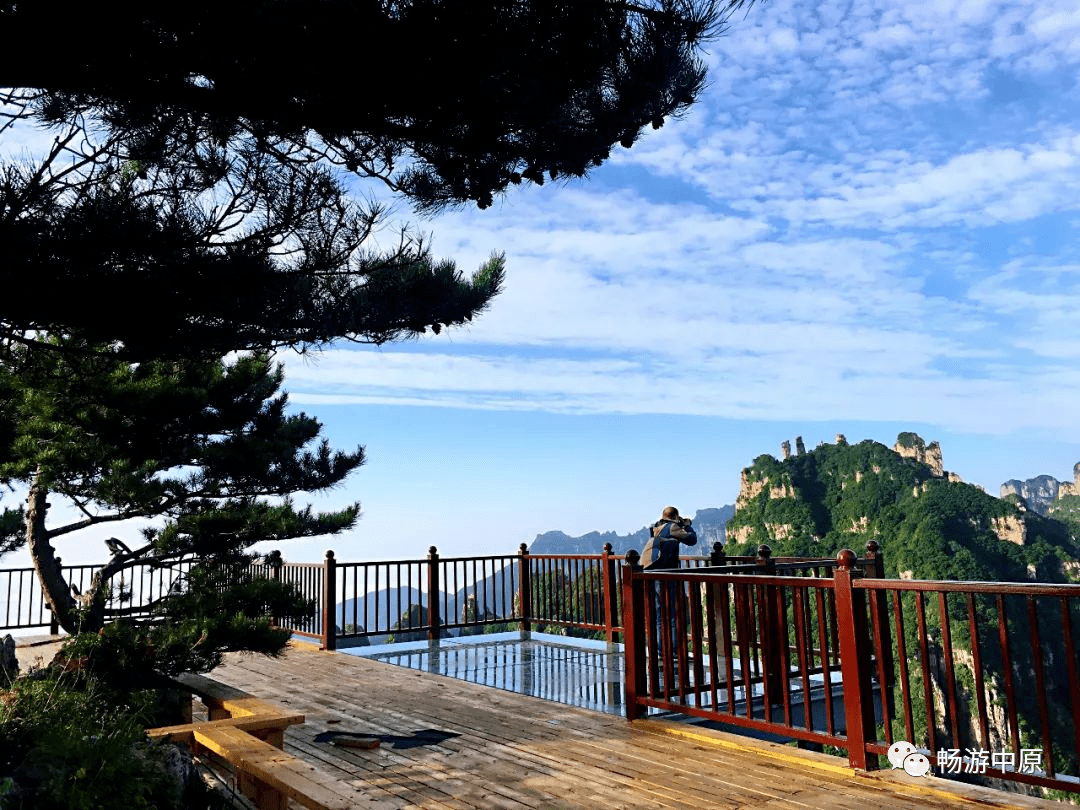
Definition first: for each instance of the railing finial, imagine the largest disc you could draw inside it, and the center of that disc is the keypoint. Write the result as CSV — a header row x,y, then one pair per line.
x,y
523,548
764,552
846,558
632,558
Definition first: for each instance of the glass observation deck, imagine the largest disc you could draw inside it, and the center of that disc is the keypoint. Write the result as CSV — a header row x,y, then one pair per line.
x,y
574,671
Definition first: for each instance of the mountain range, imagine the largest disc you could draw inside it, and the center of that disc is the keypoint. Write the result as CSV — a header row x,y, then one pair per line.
x,y
710,525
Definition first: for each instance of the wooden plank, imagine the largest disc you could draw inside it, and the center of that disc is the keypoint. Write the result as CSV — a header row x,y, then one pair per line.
x,y
265,773
209,687
300,781
556,765
234,744
220,697
270,767
556,768
395,779
255,725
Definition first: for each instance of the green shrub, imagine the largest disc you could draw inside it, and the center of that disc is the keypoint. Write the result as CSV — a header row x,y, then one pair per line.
x,y
72,741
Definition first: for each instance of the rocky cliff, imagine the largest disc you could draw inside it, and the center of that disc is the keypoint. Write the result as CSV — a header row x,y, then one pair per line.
x,y
911,445
1040,493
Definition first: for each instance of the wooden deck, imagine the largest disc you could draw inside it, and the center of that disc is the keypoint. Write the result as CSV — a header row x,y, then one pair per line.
x,y
513,751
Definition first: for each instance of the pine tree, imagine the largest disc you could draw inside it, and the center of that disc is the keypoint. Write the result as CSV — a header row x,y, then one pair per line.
x,y
206,450
222,249
445,102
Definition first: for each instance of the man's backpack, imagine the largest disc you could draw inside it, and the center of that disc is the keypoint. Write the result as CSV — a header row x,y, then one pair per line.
x,y
661,550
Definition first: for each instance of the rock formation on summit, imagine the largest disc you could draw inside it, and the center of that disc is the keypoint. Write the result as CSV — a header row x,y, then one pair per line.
x,y
911,445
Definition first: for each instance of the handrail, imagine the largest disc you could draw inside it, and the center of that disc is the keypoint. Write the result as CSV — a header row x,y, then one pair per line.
x,y
1070,590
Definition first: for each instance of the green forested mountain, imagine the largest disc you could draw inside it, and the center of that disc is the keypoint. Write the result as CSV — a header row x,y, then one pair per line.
x,y
929,523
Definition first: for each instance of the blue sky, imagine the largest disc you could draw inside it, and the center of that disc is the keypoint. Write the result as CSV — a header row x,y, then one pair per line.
x,y
868,224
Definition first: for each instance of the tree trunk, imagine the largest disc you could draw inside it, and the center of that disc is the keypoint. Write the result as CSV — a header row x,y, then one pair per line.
x,y
55,588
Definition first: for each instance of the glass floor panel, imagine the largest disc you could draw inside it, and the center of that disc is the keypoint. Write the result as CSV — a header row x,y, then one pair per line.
x,y
574,671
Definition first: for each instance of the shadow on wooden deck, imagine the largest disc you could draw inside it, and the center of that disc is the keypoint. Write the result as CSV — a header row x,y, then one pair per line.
x,y
516,751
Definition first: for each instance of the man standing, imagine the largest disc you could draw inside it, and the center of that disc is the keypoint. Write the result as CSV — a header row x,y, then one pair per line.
x,y
662,550
661,553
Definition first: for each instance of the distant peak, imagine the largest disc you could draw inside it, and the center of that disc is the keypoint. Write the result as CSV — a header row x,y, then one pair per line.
x,y
1040,492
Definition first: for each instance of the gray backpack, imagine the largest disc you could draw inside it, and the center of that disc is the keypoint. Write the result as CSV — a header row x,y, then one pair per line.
x,y
661,551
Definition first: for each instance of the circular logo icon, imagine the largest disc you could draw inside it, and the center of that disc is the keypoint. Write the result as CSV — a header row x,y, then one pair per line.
x,y
917,764
897,751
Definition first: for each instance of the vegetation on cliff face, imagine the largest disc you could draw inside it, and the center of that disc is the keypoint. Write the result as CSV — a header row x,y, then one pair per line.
x,y
1066,510
930,527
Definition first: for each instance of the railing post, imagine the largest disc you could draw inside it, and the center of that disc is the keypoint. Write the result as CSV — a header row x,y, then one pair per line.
x,y
874,567
854,662
633,621
611,592
526,588
434,624
276,563
765,563
718,556
329,602
771,635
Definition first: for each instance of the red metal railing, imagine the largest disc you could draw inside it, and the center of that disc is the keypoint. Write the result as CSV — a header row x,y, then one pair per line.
x,y
574,591
392,599
743,626
358,600
979,677
994,665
